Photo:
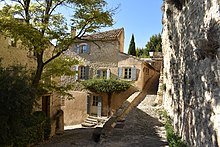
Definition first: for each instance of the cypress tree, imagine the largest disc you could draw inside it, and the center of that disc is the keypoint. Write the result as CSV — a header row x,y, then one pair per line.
x,y
132,50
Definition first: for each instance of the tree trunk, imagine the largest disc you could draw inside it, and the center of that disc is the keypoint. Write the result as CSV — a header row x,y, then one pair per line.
x,y
109,104
40,66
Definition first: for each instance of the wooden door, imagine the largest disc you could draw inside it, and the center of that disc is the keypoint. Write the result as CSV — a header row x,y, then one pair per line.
x,y
46,105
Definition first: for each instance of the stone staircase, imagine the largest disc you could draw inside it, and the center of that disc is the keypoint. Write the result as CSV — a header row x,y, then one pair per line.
x,y
92,121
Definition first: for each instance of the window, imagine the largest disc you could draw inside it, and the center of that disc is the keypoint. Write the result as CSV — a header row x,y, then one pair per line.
x,y
95,100
103,73
82,48
83,73
127,73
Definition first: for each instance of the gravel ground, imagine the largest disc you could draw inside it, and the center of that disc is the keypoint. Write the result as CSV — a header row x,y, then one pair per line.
x,y
141,128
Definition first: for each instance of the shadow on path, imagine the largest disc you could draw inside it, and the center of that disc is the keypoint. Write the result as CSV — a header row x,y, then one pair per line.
x,y
140,129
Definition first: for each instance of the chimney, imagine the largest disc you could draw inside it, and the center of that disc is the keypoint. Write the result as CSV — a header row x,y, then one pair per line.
x,y
73,32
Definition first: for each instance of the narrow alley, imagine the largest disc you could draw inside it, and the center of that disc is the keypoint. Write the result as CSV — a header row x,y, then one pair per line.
x,y
141,128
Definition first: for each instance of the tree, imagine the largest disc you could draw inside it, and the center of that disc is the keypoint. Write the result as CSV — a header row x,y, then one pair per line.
x,y
132,49
139,52
154,44
109,86
38,24
16,100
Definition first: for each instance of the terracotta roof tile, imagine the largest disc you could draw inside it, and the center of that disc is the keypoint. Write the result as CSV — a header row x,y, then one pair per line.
x,y
107,35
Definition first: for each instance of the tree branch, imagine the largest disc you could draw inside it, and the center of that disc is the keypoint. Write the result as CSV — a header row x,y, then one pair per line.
x,y
56,6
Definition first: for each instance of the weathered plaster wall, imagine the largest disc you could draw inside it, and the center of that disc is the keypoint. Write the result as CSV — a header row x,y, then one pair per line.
x,y
19,55
75,111
14,55
191,48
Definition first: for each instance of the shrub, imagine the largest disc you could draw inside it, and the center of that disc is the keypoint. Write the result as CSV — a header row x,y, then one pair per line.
x,y
16,100
37,130
173,139
19,127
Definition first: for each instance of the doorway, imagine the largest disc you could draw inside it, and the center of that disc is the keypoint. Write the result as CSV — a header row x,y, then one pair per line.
x,y
46,105
96,106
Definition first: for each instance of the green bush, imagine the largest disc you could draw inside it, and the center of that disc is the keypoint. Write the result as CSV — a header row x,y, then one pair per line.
x,y
164,87
173,139
37,130
19,127
16,100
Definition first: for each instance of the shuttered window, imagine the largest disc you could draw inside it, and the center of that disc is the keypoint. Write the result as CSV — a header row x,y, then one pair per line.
x,y
128,73
83,73
82,48
103,73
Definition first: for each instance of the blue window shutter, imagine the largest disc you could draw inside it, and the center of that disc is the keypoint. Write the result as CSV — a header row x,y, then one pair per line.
x,y
86,72
133,73
88,104
77,49
108,73
119,72
99,112
87,49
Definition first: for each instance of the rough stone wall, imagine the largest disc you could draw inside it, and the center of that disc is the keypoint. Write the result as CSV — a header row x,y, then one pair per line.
x,y
191,48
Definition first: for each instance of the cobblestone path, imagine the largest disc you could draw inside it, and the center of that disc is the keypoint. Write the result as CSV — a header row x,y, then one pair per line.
x,y
141,128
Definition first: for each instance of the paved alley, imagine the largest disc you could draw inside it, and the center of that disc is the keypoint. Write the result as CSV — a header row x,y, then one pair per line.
x,y
141,128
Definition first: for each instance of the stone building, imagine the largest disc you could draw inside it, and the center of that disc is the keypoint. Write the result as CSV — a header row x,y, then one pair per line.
x,y
13,53
101,55
191,49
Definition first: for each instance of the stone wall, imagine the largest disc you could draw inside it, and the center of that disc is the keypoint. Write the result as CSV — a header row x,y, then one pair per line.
x,y
191,48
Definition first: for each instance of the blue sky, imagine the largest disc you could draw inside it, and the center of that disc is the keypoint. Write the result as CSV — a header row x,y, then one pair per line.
x,y
143,18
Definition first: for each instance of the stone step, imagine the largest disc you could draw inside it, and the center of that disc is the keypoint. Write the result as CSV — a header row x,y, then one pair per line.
x,y
92,117
91,120
85,124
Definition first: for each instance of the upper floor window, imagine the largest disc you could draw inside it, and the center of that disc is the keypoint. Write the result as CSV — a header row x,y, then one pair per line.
x,y
103,73
128,73
82,48
83,72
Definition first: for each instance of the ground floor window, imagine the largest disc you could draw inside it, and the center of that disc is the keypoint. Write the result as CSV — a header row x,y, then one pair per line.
x,y
95,100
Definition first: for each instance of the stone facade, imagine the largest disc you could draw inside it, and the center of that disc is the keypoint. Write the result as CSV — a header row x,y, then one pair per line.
x,y
102,56
191,48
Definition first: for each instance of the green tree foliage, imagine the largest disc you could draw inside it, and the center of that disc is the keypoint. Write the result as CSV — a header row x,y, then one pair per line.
x,y
109,86
38,24
141,52
154,44
132,49
16,100
57,68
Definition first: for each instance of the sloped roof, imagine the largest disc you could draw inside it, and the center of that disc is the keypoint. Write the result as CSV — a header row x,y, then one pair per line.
x,y
138,59
107,35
